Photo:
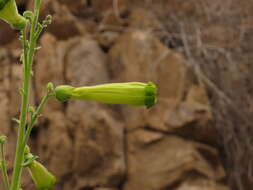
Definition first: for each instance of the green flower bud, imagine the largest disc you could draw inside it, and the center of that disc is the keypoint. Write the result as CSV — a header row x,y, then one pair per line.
x,y
132,93
42,178
28,15
27,149
9,13
3,139
63,92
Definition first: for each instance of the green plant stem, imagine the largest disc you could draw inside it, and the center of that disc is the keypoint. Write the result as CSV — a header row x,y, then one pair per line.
x,y
15,185
27,65
34,117
4,168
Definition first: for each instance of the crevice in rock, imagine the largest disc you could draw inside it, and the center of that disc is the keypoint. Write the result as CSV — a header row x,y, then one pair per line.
x,y
86,188
211,158
173,186
105,49
178,133
89,3
125,150
65,107
71,134
22,8
34,133
172,42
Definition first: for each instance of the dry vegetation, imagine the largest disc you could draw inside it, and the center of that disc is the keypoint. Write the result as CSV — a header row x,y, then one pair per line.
x,y
215,37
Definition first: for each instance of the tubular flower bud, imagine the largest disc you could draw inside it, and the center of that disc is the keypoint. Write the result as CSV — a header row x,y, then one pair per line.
x,y
132,93
42,178
9,13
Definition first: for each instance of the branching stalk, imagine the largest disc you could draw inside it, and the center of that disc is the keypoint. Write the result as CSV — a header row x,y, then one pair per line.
x,y
3,167
34,118
27,60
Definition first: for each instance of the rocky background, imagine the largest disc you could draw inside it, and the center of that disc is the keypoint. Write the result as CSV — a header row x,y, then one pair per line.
x,y
197,137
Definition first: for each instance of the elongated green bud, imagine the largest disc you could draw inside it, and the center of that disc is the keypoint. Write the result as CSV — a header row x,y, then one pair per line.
x,y
9,13
42,178
132,93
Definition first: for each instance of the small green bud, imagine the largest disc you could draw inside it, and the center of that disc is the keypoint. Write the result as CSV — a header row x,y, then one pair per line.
x,y
63,92
28,157
28,15
3,139
132,93
42,178
27,149
50,87
47,21
9,13
31,110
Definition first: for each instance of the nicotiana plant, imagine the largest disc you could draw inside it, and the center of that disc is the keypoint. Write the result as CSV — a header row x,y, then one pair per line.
x,y
131,93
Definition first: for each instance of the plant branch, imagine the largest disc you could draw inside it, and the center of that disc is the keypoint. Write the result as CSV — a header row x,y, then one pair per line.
x,y
19,150
3,167
27,67
34,117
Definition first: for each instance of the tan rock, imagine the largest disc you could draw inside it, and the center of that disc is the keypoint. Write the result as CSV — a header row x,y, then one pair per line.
x,y
75,7
55,135
200,184
7,109
49,65
107,38
145,19
110,5
64,19
86,63
163,162
4,91
99,151
139,56
7,34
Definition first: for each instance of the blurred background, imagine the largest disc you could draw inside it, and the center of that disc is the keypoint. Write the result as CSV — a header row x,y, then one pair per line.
x,y
198,136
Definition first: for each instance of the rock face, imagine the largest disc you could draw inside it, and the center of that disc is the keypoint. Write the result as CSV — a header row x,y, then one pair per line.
x,y
179,159
183,142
